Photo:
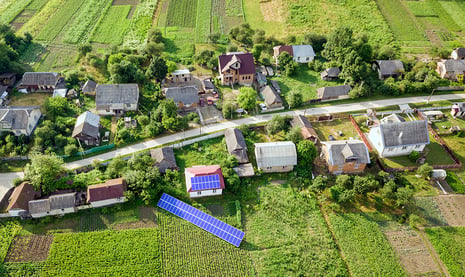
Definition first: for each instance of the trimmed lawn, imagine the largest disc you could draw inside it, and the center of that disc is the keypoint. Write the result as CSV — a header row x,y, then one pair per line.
x,y
326,128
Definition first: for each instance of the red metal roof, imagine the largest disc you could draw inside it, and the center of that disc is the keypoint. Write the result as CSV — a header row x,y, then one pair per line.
x,y
109,190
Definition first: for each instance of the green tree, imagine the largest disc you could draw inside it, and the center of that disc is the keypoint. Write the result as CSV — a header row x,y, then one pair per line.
x,y
155,35
319,183
154,49
294,135
317,41
57,106
115,168
344,180
228,110
425,170
306,152
43,171
404,196
157,69
277,124
339,44
257,51
294,99
83,49
71,149
247,98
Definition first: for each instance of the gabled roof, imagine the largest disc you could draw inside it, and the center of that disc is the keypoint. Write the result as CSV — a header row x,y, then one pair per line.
x,y
89,86
332,72
405,133
270,96
246,60
62,201
117,94
39,78
185,95
390,67
87,124
275,85
164,159
236,145
460,52
336,91
207,84
457,66
181,71
305,126
21,196
342,151
39,206
203,170
111,189
284,48
392,118
271,154
244,170
305,50
261,79
16,117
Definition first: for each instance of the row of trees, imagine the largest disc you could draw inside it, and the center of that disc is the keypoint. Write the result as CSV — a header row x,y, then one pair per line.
x,y
11,48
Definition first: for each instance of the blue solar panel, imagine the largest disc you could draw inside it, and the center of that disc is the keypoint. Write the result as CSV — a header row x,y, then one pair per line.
x,y
205,182
201,219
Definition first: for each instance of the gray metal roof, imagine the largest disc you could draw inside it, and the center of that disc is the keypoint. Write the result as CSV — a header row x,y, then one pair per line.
x,y
457,66
88,124
342,151
244,170
270,96
40,78
39,206
275,85
185,95
332,72
390,67
117,94
405,133
236,145
460,52
16,117
89,86
303,51
271,154
335,91
62,201
164,159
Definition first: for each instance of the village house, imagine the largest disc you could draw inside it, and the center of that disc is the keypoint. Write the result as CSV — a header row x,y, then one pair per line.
x,y
87,128
388,68
333,93
181,76
235,143
41,82
89,87
164,159
458,110
396,137
183,97
306,128
8,79
39,208
19,199
276,156
236,68
19,120
345,156
109,193
458,53
61,204
116,99
300,53
330,74
449,69
208,86
203,180
271,98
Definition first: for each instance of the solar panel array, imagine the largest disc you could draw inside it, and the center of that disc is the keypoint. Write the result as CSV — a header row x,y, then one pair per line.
x,y
201,219
205,182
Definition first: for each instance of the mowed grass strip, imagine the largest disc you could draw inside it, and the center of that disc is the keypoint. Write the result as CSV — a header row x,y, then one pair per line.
x,y
367,251
10,9
141,22
105,253
449,243
113,26
204,16
40,19
402,25
89,13
182,13
59,20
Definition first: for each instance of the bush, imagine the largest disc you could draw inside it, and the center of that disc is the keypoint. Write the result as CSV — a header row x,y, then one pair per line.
x,y
414,156
71,149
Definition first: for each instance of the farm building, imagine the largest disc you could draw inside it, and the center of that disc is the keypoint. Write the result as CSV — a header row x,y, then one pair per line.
x,y
236,68
184,97
271,98
204,180
345,156
8,79
181,76
306,128
434,115
116,99
41,82
458,110
397,138
164,159
39,208
330,74
235,143
19,120
449,69
300,53
333,93
388,68
89,87
61,204
86,128
208,86
276,156
19,199
458,53
109,193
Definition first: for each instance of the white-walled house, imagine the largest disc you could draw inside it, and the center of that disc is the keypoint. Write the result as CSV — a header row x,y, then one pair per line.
x,y
39,208
61,204
276,156
399,138
116,99
204,180
109,193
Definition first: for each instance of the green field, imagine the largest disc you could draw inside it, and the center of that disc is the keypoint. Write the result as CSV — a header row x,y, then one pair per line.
x,y
112,27
10,9
59,20
182,13
366,249
8,231
449,243
141,22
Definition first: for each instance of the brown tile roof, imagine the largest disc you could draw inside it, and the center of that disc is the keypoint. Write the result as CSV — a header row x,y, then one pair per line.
x,y
110,189
246,60
21,196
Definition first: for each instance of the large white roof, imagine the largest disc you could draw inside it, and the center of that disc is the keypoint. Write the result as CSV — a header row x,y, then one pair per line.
x,y
271,154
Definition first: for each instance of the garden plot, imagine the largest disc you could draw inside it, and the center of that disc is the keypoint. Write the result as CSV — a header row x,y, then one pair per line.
x,y
453,208
33,248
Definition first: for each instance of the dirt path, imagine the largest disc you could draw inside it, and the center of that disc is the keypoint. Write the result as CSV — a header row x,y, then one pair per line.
x,y
433,253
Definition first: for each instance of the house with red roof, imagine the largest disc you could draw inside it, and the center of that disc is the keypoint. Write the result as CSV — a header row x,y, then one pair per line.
x,y
236,68
109,193
19,199
204,180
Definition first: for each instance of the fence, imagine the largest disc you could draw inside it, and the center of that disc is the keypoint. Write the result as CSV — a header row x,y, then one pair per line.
x,y
360,133
194,140
16,158
450,88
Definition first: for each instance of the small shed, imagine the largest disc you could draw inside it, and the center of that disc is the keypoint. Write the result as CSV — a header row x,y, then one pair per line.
x,y
271,98
109,193
182,76
330,74
8,79
306,128
388,68
276,86
244,170
164,159
208,86
333,93
434,115
236,145
39,208
438,174
89,87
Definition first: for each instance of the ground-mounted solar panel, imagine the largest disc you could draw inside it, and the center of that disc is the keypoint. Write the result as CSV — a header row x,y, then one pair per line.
x,y
205,182
201,219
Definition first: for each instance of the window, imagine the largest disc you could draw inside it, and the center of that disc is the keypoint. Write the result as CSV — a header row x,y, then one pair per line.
x,y
307,58
268,167
199,193
214,191
404,147
390,149
128,105
356,166
417,146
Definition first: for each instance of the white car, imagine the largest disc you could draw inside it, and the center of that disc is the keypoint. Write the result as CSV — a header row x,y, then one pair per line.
x,y
263,107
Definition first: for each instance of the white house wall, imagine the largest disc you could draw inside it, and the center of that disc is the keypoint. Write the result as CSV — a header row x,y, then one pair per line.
x,y
38,215
203,193
107,202
399,151
16,212
62,211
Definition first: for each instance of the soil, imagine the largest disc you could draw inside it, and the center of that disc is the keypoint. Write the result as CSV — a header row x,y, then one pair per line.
x,y
33,248
452,208
125,2
148,219
271,10
413,253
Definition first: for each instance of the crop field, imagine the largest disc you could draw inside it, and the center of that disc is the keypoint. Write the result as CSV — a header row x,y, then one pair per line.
x,y
113,26
449,243
366,249
182,13
141,22
10,9
286,235
8,231
40,19
29,248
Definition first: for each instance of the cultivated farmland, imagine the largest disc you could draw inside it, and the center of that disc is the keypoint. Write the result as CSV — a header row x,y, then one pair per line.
x,y
449,243
8,231
113,26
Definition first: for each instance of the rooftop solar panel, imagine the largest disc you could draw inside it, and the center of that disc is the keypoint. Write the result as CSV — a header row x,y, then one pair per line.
x,y
201,219
205,182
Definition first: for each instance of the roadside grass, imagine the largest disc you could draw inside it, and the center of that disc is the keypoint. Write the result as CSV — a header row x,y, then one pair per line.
x,y
367,251
449,243
112,28
326,128
13,166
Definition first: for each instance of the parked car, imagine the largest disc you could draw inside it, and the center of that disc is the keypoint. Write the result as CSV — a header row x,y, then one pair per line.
x,y
263,106
210,100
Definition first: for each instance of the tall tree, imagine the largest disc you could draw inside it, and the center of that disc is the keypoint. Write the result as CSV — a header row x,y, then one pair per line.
x,y
43,171
157,69
339,44
247,98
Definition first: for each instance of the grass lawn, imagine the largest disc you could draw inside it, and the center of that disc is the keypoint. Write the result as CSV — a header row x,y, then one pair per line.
x,y
272,24
326,128
442,127
29,99
449,243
